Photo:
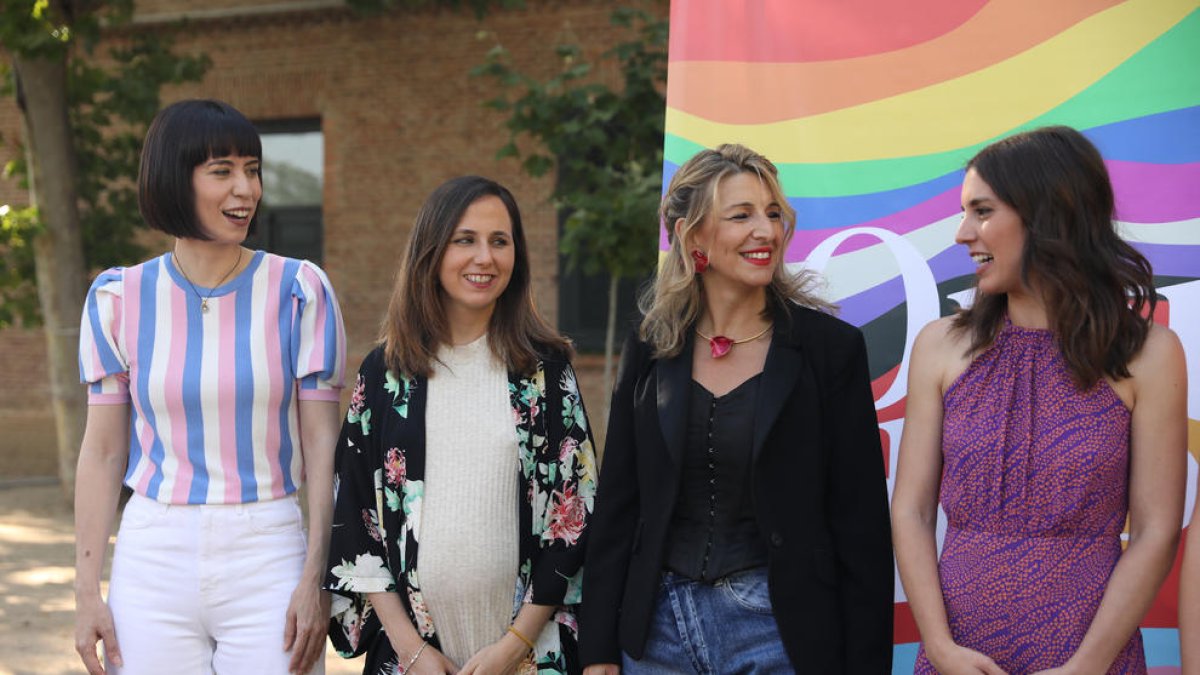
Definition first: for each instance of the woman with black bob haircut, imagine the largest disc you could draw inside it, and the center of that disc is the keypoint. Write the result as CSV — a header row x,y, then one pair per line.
x,y
466,454
214,377
184,136
1040,417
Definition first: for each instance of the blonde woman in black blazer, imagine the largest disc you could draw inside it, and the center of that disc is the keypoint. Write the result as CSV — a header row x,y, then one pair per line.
x,y
741,522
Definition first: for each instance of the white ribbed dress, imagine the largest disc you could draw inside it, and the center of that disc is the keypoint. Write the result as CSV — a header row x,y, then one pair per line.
x,y
467,564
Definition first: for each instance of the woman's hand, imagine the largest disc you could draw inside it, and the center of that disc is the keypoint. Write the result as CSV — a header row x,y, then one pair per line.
x,y
305,627
430,662
953,659
94,623
405,639
603,669
502,657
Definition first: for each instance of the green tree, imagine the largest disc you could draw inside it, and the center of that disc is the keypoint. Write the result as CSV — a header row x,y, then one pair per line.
x,y
81,135
606,145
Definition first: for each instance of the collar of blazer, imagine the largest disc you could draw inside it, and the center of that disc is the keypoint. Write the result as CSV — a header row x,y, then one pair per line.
x,y
781,372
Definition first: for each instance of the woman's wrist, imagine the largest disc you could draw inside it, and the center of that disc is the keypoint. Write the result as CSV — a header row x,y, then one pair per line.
x,y
406,647
514,645
412,659
316,560
938,647
512,631
313,577
87,590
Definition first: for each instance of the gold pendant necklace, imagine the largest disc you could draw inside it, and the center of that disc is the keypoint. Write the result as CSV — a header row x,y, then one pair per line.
x,y
205,298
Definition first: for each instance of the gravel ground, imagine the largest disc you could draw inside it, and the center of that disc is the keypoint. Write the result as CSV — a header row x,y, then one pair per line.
x,y
37,558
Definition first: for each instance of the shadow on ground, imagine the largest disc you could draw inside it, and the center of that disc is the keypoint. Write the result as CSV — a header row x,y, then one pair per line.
x,y
37,574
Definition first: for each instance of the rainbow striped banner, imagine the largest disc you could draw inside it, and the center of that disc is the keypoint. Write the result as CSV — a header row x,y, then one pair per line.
x,y
870,108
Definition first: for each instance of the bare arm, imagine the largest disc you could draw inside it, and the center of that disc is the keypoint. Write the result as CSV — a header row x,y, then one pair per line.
x,y
1158,467
308,612
405,639
319,425
102,458
915,501
1189,598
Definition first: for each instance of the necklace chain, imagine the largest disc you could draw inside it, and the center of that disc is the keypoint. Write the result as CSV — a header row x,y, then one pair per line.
x,y
205,298
719,345
752,338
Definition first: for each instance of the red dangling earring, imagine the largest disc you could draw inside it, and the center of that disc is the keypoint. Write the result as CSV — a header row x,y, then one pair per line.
x,y
700,259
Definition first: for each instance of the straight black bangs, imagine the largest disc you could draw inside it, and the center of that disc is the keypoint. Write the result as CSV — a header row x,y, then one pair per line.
x,y
217,130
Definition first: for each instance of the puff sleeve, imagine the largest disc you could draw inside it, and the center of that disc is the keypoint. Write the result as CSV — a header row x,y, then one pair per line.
x,y
318,338
103,364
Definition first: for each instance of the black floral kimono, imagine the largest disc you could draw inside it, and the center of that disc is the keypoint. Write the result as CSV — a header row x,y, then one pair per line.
x,y
379,486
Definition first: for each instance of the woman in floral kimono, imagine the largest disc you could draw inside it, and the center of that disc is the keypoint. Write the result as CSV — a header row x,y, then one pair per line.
x,y
465,467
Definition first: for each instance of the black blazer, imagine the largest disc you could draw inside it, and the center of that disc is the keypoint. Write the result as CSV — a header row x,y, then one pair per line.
x,y
820,499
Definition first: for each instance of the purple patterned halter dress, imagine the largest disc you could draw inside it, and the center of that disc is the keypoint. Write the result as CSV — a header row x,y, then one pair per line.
x,y
1035,486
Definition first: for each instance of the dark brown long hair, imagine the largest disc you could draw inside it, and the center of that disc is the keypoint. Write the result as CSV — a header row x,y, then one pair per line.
x,y
415,325
1097,289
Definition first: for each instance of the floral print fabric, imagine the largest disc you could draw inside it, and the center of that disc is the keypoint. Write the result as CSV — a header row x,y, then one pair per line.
x,y
380,465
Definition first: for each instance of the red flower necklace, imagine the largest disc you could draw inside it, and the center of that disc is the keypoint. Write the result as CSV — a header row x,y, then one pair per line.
x,y
719,345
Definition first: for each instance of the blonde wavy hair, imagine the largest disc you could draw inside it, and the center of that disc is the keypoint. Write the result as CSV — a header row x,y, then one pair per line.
x,y
671,305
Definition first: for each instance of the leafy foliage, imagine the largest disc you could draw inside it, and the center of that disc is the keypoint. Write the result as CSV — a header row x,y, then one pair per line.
x,y
110,111
110,108
18,295
45,28
605,143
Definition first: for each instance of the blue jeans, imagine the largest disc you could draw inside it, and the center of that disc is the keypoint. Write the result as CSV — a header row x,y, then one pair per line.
x,y
704,629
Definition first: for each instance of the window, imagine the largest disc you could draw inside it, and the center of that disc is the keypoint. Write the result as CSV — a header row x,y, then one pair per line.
x,y
583,305
583,308
289,216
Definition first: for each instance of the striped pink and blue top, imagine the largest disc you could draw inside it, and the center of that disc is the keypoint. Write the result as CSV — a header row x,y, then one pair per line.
x,y
213,396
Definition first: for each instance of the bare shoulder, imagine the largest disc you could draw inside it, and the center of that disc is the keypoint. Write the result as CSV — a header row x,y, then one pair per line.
x,y
940,353
1158,425
938,334
1160,360
1156,369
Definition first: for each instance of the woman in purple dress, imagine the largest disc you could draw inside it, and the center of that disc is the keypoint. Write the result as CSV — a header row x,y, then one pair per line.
x,y
1043,415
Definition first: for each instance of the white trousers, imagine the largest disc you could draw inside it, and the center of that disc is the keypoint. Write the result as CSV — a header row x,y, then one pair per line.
x,y
205,588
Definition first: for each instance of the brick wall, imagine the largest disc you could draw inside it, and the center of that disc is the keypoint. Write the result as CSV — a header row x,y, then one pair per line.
x,y
27,443
399,114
